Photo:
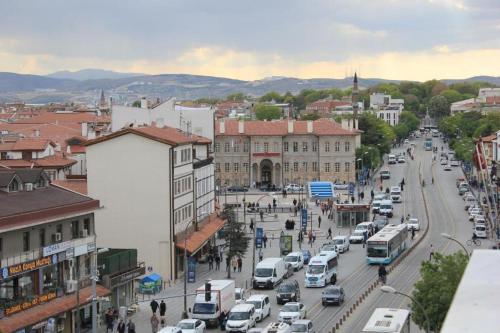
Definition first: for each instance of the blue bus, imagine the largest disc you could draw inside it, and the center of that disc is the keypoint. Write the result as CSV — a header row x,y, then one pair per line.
x,y
428,144
387,244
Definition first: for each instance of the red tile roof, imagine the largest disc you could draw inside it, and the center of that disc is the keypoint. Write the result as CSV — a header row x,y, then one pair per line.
x,y
46,117
280,128
76,149
197,239
75,185
328,104
56,161
50,309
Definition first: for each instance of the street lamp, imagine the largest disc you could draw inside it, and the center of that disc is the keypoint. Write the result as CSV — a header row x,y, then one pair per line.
x,y
391,290
445,235
184,312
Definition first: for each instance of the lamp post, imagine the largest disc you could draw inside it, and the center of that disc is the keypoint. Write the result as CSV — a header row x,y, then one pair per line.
x,y
445,235
254,231
359,160
184,312
391,290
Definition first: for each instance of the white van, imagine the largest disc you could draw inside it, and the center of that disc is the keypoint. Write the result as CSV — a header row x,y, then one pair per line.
x,y
241,318
392,159
396,194
480,230
269,273
386,208
342,243
369,227
322,269
295,259
262,305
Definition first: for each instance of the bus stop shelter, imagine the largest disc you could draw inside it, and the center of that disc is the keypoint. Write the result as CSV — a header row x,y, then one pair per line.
x,y
349,215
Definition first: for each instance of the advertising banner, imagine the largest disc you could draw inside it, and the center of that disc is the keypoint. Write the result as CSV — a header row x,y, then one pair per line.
x,y
303,219
259,235
285,244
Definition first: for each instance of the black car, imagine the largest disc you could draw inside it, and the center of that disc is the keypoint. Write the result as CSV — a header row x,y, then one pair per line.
x,y
288,291
380,222
333,295
237,189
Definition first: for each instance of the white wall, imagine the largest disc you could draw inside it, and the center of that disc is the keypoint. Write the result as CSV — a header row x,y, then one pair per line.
x,y
205,190
130,176
80,168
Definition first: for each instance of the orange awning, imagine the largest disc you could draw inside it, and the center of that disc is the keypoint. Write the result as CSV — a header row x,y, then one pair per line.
x,y
198,238
50,309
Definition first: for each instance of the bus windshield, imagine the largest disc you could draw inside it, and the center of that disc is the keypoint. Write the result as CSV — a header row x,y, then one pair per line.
x,y
316,269
377,251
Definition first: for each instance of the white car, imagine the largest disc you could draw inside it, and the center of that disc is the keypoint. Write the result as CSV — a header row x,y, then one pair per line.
x,y
241,318
407,141
295,259
262,305
303,326
291,312
413,223
444,161
277,328
342,243
401,159
192,326
328,247
294,188
170,329
239,295
358,236
454,163
447,167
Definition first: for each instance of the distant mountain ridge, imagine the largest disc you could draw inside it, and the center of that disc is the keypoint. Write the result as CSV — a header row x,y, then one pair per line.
x,y
91,74
124,88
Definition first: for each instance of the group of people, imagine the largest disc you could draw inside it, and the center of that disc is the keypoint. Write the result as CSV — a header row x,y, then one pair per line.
x,y
155,321
111,316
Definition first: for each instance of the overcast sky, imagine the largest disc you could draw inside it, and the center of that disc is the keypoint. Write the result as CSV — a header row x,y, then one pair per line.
x,y
252,39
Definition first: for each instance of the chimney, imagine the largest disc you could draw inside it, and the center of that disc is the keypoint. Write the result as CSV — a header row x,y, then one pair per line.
x,y
84,129
309,126
290,126
144,103
222,127
241,127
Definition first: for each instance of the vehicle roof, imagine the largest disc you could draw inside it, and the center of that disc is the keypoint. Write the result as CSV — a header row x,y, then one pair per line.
x,y
293,303
365,223
388,201
395,188
170,329
340,237
385,171
296,253
388,232
217,284
192,321
302,321
269,262
386,320
257,297
242,307
336,287
323,257
413,219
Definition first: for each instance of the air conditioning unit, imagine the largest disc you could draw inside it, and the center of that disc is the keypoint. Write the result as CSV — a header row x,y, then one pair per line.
x,y
29,186
57,236
84,233
71,286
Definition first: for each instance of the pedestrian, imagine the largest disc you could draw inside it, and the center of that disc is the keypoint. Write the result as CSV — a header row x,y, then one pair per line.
x,y
109,320
310,236
362,195
240,264
329,233
264,240
121,327
261,255
222,320
251,225
431,253
319,221
372,194
295,202
228,264
131,326
261,215
352,199
412,233
269,208
294,211
402,219
163,308
154,306
154,323
300,237
210,263
217,262
314,236
234,263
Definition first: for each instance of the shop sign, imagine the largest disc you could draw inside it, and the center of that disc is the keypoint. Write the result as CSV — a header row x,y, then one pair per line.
x,y
29,304
130,275
70,253
81,250
91,247
56,248
28,266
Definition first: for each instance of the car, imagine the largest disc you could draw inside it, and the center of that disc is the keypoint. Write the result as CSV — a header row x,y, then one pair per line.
x,y
479,219
342,243
333,295
241,318
357,236
462,190
406,141
369,227
170,329
192,326
385,174
262,305
288,291
480,231
294,188
291,312
401,159
307,256
303,326
455,163
444,161
295,259
239,295
277,327
396,194
413,223
447,167
380,222
236,188
328,247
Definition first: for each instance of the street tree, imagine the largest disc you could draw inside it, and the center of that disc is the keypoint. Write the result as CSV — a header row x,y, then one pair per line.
x,y
271,96
235,238
309,116
376,132
236,97
267,112
410,120
435,289
439,107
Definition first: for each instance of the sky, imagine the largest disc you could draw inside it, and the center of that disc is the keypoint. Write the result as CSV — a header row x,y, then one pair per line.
x,y
252,39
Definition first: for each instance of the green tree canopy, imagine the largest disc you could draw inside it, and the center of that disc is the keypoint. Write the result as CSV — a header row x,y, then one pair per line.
x,y
235,238
439,107
370,155
309,116
236,97
452,96
436,288
267,112
410,120
376,132
271,96
136,104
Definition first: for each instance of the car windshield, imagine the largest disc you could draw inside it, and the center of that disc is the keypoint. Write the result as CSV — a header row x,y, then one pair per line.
x,y
413,221
258,304
299,328
238,315
328,248
291,259
339,241
290,308
264,272
332,291
315,269
204,308
479,228
237,295
286,288
361,227
186,326
385,206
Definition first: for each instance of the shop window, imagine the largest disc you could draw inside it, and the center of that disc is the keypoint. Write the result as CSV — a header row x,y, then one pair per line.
x,y
75,229
26,241
86,226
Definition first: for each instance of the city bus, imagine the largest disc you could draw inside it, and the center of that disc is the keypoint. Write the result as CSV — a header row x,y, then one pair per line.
x,y
428,144
388,320
387,244
322,269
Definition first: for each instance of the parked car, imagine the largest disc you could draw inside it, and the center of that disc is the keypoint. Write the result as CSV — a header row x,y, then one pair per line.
x,y
192,326
236,188
385,174
444,161
401,159
262,305
366,226
307,255
358,236
455,163
294,188
342,243
406,141
303,326
291,312
333,295
447,167
288,291
413,223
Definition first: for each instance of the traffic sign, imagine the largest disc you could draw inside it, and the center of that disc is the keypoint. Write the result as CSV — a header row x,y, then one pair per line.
x,y
303,219
259,235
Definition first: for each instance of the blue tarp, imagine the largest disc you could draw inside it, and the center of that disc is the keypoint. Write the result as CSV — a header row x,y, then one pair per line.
x,y
321,190
151,278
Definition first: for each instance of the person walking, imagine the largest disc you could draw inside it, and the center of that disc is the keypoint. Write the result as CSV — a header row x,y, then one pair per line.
x,y
228,264
251,225
269,208
310,236
154,323
431,253
372,194
217,262
108,317
261,212
154,306
314,236
261,255
163,309
329,233
264,240
121,327
295,202
240,264
131,326
412,233
319,221
210,263
234,263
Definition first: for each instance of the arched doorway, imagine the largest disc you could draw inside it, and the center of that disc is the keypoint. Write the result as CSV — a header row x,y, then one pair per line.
x,y
266,172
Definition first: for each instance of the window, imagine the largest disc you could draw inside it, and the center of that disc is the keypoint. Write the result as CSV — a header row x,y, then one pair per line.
x,y
295,147
86,226
246,167
347,167
304,166
41,236
315,166
315,146
59,230
295,166
381,115
217,147
286,166
285,146
75,229
26,241
304,146
246,146
236,147
226,147
217,167
236,167
327,167
347,146
175,157
226,167
257,147
337,146
337,167
276,147
327,146
14,186
266,147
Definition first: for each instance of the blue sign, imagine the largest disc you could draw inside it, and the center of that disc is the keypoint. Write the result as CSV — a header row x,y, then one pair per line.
x,y
303,219
191,270
259,235
351,188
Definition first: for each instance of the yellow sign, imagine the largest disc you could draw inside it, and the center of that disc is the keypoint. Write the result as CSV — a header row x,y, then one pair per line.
x,y
29,304
29,266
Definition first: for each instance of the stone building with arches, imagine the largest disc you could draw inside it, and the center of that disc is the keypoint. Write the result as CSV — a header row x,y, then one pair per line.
x,y
278,152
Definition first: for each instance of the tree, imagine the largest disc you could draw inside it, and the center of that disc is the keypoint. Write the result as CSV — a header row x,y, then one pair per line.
x,y
452,96
436,287
377,132
309,116
409,120
267,112
271,96
236,239
236,97
439,107
370,156
401,131
136,104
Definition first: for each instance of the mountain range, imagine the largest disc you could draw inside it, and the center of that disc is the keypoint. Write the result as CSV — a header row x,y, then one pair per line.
x,y
85,85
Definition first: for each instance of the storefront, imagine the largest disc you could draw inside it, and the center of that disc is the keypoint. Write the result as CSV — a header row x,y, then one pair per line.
x,y
349,215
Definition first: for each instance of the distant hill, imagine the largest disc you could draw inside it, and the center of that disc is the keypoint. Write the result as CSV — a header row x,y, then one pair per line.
x,y
91,74
32,88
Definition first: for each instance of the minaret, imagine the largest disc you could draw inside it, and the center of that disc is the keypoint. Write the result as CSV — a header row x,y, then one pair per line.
x,y
102,101
355,93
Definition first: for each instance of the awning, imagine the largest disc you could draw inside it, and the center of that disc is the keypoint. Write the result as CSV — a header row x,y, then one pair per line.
x,y
198,238
50,309
151,278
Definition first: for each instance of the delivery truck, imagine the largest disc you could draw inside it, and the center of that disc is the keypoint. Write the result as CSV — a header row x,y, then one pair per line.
x,y
221,298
